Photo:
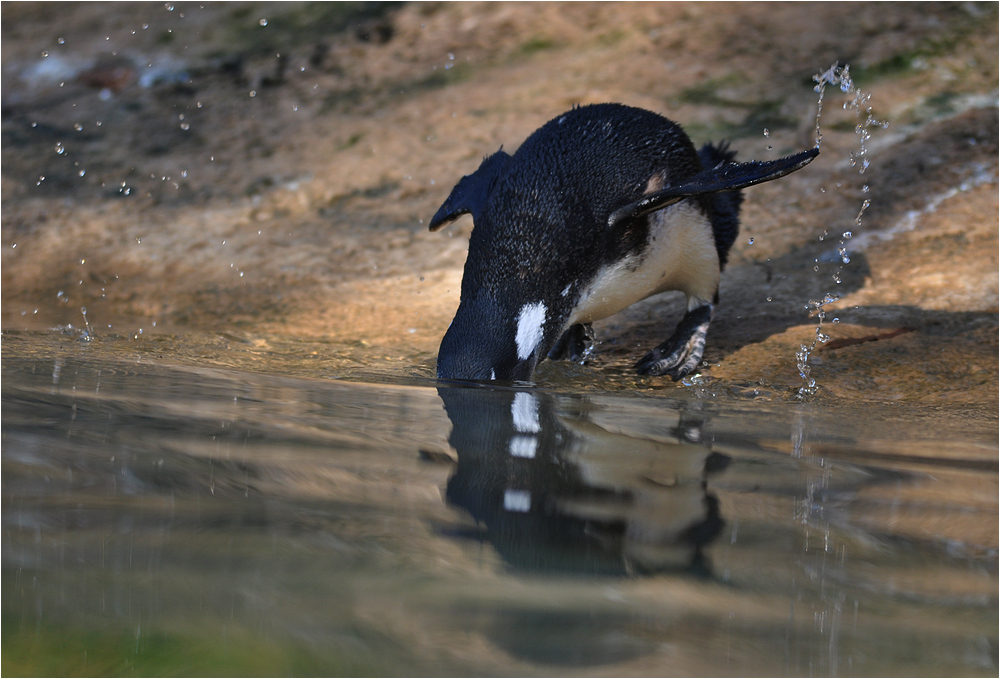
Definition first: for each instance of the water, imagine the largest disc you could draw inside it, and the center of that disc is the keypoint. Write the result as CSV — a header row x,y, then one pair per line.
x,y
171,516
839,76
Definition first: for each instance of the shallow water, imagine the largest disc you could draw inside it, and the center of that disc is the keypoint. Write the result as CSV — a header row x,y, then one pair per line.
x,y
167,509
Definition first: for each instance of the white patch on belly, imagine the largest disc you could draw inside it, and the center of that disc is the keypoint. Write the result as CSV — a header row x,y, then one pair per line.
x,y
530,323
680,255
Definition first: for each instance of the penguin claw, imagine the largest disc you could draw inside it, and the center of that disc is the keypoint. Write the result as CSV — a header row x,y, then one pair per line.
x,y
575,344
681,354
675,365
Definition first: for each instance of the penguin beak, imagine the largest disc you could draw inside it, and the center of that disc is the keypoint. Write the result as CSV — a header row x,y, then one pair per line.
x,y
479,361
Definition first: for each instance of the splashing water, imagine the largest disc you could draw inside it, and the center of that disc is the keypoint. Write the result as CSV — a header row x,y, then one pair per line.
x,y
86,334
815,309
859,103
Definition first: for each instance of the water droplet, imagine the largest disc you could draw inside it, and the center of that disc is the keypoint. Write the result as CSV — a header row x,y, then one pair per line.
x,y
44,54
263,22
768,298
750,241
61,41
835,320
448,66
199,104
169,6
81,173
60,149
847,235
451,57
767,132
180,117
78,127
253,93
185,126
816,268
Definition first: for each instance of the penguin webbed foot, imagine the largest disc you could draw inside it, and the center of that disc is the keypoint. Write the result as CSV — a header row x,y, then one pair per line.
x,y
575,344
681,354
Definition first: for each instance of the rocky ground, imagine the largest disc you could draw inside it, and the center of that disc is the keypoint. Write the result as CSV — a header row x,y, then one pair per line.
x,y
269,170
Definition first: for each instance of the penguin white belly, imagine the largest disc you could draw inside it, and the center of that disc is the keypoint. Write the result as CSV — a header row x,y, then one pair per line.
x,y
680,255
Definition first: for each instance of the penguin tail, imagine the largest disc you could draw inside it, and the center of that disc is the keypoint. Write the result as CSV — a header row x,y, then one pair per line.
x,y
725,211
712,155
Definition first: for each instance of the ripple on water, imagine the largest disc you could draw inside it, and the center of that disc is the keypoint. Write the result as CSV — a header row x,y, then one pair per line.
x,y
357,527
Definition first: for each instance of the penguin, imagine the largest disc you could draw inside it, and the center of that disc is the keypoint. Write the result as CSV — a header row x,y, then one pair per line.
x,y
601,207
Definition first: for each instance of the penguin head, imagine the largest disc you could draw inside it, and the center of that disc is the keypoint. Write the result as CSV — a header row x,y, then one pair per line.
x,y
489,339
508,317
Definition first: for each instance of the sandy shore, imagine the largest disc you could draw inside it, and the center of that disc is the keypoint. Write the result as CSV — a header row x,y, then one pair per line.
x,y
270,169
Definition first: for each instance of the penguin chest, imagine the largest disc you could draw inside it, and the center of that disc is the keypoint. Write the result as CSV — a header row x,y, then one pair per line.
x,y
680,254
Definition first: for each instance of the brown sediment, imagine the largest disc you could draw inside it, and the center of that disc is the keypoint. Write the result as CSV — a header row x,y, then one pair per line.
x,y
850,341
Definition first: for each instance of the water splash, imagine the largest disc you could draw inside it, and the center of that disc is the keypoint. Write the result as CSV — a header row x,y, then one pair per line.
x,y
87,334
838,76
815,309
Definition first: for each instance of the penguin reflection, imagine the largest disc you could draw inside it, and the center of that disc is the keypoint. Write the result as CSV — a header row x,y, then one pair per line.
x,y
557,492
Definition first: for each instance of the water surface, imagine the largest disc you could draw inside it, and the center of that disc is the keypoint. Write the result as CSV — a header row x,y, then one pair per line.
x,y
165,516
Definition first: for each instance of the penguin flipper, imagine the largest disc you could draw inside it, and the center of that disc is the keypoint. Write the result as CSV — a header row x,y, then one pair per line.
x,y
470,194
724,177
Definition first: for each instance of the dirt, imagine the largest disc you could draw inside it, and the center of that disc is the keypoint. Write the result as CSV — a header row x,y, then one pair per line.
x,y
269,169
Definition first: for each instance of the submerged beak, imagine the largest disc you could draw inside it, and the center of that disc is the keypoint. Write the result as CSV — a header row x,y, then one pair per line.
x,y
492,347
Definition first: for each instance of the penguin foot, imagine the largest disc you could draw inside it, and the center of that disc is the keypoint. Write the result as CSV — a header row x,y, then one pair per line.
x,y
680,355
575,344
